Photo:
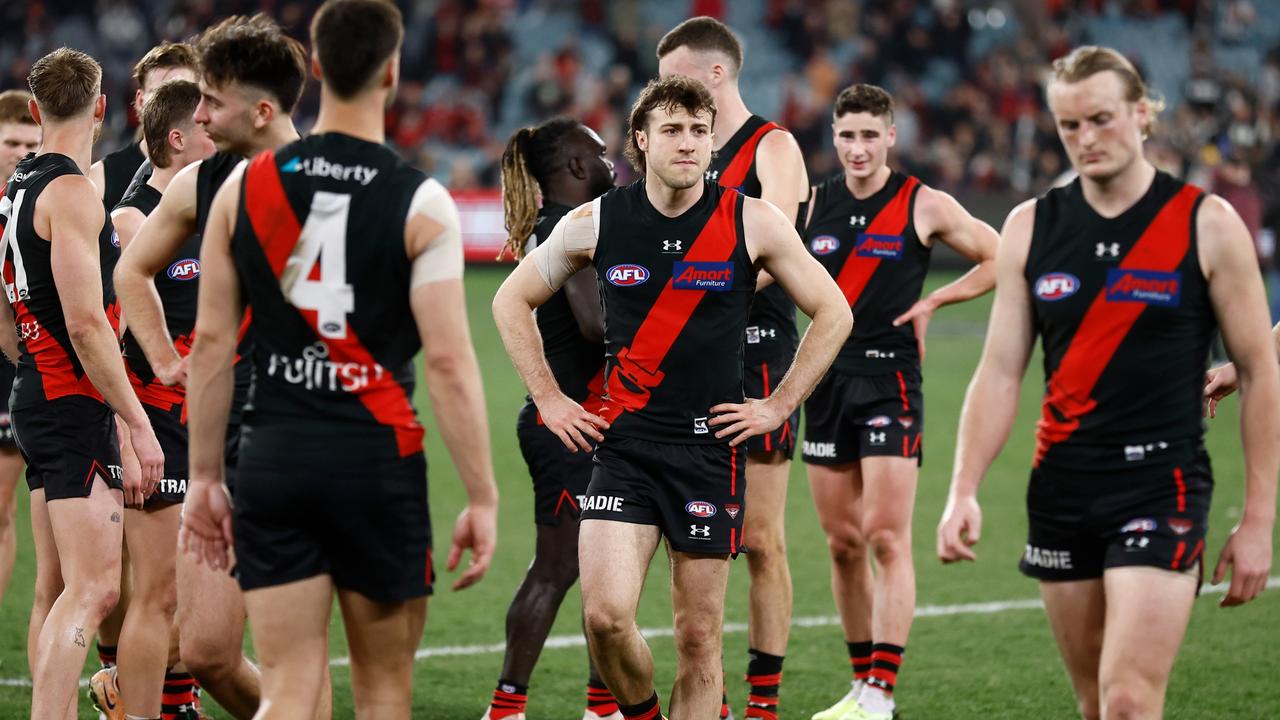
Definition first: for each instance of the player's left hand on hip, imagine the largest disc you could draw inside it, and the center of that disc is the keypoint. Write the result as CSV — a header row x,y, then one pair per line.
x,y
741,421
918,315
477,530
1248,555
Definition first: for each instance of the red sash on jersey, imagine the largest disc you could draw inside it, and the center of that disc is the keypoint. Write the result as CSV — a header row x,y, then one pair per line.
x,y
636,366
278,231
1162,246
736,172
893,219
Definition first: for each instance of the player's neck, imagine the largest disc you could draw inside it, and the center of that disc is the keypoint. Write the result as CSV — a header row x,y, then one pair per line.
x,y
73,138
279,133
161,177
731,115
863,188
567,196
671,202
1112,196
361,117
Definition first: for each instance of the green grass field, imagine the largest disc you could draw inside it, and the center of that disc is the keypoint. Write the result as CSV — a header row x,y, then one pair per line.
x,y
959,664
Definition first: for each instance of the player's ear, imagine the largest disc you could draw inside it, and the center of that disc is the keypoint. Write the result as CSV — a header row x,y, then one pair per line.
x,y
576,168
34,109
315,68
892,135
100,108
263,113
642,140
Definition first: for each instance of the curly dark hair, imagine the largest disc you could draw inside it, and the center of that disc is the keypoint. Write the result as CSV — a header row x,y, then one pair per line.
x,y
669,93
254,51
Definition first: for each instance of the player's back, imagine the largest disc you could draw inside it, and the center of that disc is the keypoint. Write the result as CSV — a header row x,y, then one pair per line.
x,y
319,246
48,367
118,169
1123,308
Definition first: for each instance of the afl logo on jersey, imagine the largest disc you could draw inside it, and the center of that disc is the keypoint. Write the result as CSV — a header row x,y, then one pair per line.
x,y
188,269
1057,286
115,239
700,509
627,275
824,244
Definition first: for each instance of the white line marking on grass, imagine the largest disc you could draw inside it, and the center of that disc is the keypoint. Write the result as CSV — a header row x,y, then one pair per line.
x,y
556,642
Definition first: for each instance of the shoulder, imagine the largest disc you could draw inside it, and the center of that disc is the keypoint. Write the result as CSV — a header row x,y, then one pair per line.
x,y
1221,235
1021,218
778,142
756,212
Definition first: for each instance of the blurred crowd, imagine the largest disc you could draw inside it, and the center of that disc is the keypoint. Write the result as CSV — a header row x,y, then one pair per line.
x,y
968,76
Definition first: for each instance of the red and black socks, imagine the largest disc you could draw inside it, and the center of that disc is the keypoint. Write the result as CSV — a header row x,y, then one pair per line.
x,y
764,674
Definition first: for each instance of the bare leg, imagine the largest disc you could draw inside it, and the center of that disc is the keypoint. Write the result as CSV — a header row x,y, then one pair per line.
x,y
698,585
290,624
533,609
88,535
1077,612
152,537
48,573
11,466
382,638
764,535
837,495
612,577
1147,614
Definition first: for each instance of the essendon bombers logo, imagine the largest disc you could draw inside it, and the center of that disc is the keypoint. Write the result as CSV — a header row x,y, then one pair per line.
x,y
882,247
1150,287
627,275
824,244
1056,286
186,269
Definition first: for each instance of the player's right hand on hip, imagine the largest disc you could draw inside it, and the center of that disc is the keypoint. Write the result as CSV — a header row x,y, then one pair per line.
x,y
959,530
1219,383
476,530
576,428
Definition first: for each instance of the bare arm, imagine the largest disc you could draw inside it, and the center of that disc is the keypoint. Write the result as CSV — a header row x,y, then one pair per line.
x,y
453,380
774,244
991,402
8,334
784,182
74,219
147,252
583,292
206,529
542,272
1240,305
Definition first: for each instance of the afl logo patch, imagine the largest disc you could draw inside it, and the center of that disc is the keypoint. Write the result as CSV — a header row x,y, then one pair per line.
x,y
115,239
700,509
824,244
627,275
188,269
1057,286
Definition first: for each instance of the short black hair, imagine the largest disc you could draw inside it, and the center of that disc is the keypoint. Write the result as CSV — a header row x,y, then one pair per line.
x,y
352,39
254,51
864,98
703,33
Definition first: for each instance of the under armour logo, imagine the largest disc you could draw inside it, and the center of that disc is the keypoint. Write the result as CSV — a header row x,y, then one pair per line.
x,y
877,438
1140,542
672,245
713,175
1107,250
700,531
857,220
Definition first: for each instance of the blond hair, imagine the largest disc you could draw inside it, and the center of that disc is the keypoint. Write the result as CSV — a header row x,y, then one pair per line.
x,y
1088,60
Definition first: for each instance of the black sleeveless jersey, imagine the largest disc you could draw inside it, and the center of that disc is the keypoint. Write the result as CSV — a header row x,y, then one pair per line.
x,y
48,367
319,248
177,287
676,294
213,171
871,249
1122,308
576,363
773,312
118,169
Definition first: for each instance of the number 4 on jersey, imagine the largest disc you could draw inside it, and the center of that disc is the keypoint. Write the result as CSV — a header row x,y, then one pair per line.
x,y
323,240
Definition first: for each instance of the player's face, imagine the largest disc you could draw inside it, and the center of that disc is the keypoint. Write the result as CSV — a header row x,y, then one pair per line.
x,y
863,140
227,115
683,61
677,146
16,140
196,145
599,168
158,77
1100,130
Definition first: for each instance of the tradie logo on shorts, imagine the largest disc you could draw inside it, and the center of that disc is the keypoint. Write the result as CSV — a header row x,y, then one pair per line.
x,y
1150,287
602,503
819,449
320,167
882,247
713,276
1051,559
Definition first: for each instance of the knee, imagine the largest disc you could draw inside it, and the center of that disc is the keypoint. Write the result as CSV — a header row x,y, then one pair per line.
x,y
605,622
1089,708
889,544
206,659
1129,701
559,572
765,544
163,598
98,598
699,644
847,546
8,511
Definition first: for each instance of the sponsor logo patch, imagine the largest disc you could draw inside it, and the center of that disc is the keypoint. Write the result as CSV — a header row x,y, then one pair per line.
x,y
906,421
824,244
819,449
877,438
1052,287
115,239
185,269
627,275
1051,559
713,276
1139,525
880,421
321,167
700,509
700,532
884,247
602,503
1181,526
1151,287
700,426
733,509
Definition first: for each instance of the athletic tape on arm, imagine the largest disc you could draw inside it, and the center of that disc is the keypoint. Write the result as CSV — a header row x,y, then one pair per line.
x,y
575,233
442,258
